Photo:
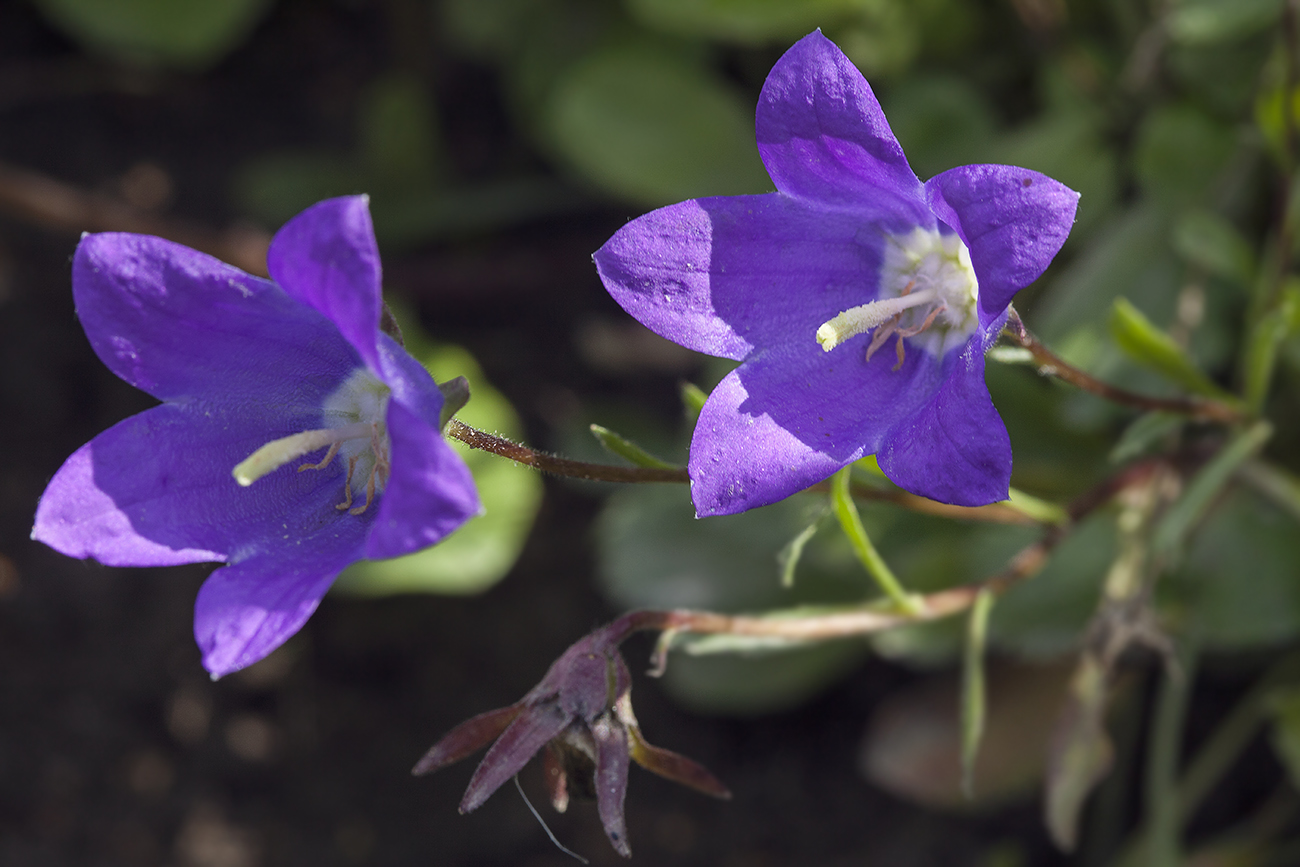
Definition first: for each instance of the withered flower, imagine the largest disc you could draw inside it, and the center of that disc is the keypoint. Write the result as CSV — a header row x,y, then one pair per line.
x,y
581,712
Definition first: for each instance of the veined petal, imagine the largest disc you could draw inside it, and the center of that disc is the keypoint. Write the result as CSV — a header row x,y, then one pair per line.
x,y
178,323
156,489
780,423
518,743
1013,220
251,607
724,275
824,138
327,258
612,760
430,493
955,448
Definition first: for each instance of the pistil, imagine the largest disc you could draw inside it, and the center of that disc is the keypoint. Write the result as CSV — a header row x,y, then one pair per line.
x,y
277,453
861,319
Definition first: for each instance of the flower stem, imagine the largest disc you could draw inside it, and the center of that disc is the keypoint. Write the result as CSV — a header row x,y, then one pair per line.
x,y
847,513
477,439
1051,364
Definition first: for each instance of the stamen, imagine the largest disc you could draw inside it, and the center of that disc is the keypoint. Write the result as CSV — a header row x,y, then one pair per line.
x,y
882,334
347,484
859,320
325,461
277,453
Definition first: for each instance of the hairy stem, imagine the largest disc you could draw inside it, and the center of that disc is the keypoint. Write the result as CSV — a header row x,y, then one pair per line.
x,y
1051,364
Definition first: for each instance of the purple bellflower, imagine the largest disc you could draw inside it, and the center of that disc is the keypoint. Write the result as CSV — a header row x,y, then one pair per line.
x,y
581,714
808,286
253,376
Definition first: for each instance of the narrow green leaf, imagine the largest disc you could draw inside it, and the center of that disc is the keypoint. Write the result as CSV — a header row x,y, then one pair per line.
x,y
1146,431
693,398
1186,513
846,511
1265,343
974,688
1146,344
625,448
788,556
1284,708
1040,510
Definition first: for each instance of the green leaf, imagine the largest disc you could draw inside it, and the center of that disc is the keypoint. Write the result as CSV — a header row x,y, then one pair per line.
x,y
482,551
941,122
1152,348
1264,343
788,557
1202,22
625,448
1210,241
653,127
693,398
190,34
1145,434
973,687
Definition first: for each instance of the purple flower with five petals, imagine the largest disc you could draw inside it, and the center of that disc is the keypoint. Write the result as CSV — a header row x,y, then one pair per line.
x,y
253,376
859,301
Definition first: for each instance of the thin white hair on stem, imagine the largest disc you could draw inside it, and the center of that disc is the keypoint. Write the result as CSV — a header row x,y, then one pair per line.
x,y
538,816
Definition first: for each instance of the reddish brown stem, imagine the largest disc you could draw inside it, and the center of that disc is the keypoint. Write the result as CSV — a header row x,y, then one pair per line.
x,y
1051,364
477,439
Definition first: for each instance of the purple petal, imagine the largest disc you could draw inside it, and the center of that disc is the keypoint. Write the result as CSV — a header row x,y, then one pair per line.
x,y
1013,220
725,275
179,324
782,422
431,491
823,137
612,761
156,489
326,257
251,607
468,737
955,449
430,494
518,743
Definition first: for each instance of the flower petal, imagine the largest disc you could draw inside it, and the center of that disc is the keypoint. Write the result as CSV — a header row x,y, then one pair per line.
x,y
1013,220
178,324
251,607
468,737
955,448
782,422
724,275
327,258
518,743
823,137
430,494
612,760
156,489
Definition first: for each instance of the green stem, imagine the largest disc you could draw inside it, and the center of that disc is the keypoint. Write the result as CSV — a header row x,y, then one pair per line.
x,y
847,513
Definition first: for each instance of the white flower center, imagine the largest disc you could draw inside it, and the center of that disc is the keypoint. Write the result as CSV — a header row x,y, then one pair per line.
x,y
928,294
356,429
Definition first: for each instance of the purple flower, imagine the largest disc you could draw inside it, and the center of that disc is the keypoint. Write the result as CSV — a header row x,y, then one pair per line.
x,y
254,375
859,301
581,713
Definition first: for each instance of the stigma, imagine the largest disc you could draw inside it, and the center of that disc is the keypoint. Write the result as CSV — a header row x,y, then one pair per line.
x,y
355,429
928,294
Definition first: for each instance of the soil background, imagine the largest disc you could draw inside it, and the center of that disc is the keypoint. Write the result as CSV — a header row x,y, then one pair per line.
x,y
115,747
